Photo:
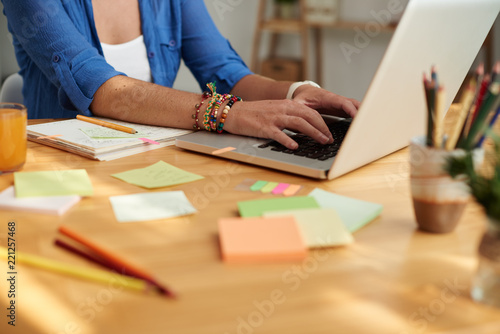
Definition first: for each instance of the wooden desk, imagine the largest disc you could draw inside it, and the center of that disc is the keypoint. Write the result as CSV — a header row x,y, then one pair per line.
x,y
394,279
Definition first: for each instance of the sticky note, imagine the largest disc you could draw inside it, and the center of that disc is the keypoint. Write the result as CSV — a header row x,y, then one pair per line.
x,y
149,141
255,208
269,187
151,206
320,227
258,185
353,212
53,183
280,188
160,174
54,205
292,190
246,240
223,150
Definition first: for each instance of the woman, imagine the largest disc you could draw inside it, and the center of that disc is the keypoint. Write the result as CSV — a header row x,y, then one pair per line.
x,y
118,58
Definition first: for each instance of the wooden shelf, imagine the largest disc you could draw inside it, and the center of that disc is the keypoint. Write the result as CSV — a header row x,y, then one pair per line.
x,y
282,26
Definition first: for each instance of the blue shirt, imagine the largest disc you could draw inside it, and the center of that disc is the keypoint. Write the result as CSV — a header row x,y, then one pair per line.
x,y
62,64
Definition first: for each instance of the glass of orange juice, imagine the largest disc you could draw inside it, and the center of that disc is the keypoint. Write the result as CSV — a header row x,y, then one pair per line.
x,y
13,140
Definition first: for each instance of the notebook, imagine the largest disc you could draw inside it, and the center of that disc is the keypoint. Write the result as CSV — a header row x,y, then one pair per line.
x,y
100,143
444,33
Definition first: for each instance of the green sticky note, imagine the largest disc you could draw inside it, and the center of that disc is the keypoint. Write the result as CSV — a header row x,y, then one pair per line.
x,y
157,175
354,213
53,183
256,208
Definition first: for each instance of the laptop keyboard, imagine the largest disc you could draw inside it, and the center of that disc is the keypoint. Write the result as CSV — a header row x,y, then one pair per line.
x,y
311,149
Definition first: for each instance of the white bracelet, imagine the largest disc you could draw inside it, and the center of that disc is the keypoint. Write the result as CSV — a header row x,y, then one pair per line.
x,y
295,85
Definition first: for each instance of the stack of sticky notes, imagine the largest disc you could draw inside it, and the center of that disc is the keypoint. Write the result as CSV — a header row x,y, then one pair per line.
x,y
261,240
51,192
267,228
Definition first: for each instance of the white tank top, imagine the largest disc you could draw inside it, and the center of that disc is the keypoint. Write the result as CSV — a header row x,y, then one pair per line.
x,y
130,58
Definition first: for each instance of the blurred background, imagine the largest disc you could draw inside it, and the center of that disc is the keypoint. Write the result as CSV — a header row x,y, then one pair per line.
x,y
338,43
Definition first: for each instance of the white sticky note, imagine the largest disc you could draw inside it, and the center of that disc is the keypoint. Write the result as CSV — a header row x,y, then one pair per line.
x,y
319,227
354,213
151,206
54,205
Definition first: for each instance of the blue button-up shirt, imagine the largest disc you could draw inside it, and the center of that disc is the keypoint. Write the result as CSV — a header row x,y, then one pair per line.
x,y
62,63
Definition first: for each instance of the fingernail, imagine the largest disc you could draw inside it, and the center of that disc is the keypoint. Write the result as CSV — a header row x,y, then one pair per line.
x,y
324,139
294,146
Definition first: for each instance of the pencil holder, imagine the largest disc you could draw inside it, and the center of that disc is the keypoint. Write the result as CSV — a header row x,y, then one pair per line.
x,y
438,199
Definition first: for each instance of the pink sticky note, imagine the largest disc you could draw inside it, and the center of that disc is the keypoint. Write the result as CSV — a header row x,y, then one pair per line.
x,y
146,140
280,188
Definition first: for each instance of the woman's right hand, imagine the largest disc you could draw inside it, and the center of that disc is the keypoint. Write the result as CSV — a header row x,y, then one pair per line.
x,y
268,119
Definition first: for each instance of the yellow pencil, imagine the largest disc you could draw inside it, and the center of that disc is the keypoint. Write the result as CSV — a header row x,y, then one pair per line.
x,y
106,124
466,101
90,274
439,115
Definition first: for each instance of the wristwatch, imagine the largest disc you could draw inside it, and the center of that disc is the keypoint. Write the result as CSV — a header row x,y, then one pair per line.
x,y
295,85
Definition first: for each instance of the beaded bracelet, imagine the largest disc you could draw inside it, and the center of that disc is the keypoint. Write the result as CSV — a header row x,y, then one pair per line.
x,y
211,105
215,110
223,117
197,107
210,117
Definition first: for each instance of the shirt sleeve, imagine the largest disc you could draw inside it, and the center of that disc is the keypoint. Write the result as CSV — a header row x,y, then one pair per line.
x,y
206,52
50,39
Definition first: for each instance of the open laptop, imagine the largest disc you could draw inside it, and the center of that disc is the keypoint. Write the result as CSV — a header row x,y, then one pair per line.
x,y
444,33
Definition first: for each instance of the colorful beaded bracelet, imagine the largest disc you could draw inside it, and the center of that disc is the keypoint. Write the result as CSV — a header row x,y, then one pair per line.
x,y
225,112
215,110
197,108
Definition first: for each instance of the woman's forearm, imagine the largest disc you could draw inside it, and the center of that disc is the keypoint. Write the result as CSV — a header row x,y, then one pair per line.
x,y
141,102
255,87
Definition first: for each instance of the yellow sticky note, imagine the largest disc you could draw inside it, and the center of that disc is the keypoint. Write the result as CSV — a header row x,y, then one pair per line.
x,y
53,183
157,175
320,227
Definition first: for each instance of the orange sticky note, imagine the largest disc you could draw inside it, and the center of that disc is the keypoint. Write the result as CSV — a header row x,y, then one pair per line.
x,y
250,240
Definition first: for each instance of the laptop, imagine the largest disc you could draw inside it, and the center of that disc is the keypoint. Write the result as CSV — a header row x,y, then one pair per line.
x,y
444,33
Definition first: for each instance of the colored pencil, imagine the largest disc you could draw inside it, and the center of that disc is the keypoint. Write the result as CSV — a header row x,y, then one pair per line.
x,y
430,98
89,274
496,71
492,122
115,260
478,126
106,124
466,100
438,118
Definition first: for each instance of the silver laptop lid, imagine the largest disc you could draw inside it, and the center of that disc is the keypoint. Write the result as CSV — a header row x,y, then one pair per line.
x,y
444,33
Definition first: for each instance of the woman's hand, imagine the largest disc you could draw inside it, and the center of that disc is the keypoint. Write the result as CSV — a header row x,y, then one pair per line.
x,y
267,119
326,102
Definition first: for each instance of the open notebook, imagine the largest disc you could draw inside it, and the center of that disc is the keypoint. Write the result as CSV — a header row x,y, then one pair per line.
x,y
100,143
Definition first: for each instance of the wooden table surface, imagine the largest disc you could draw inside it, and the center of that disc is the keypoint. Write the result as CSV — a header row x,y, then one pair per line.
x,y
393,279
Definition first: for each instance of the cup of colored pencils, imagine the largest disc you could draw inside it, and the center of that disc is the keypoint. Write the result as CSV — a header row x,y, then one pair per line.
x,y
438,199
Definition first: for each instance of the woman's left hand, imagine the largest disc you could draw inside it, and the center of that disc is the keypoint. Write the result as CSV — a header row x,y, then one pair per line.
x,y
326,102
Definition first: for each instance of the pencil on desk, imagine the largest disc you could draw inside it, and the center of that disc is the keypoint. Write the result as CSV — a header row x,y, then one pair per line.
x,y
90,274
106,124
115,260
